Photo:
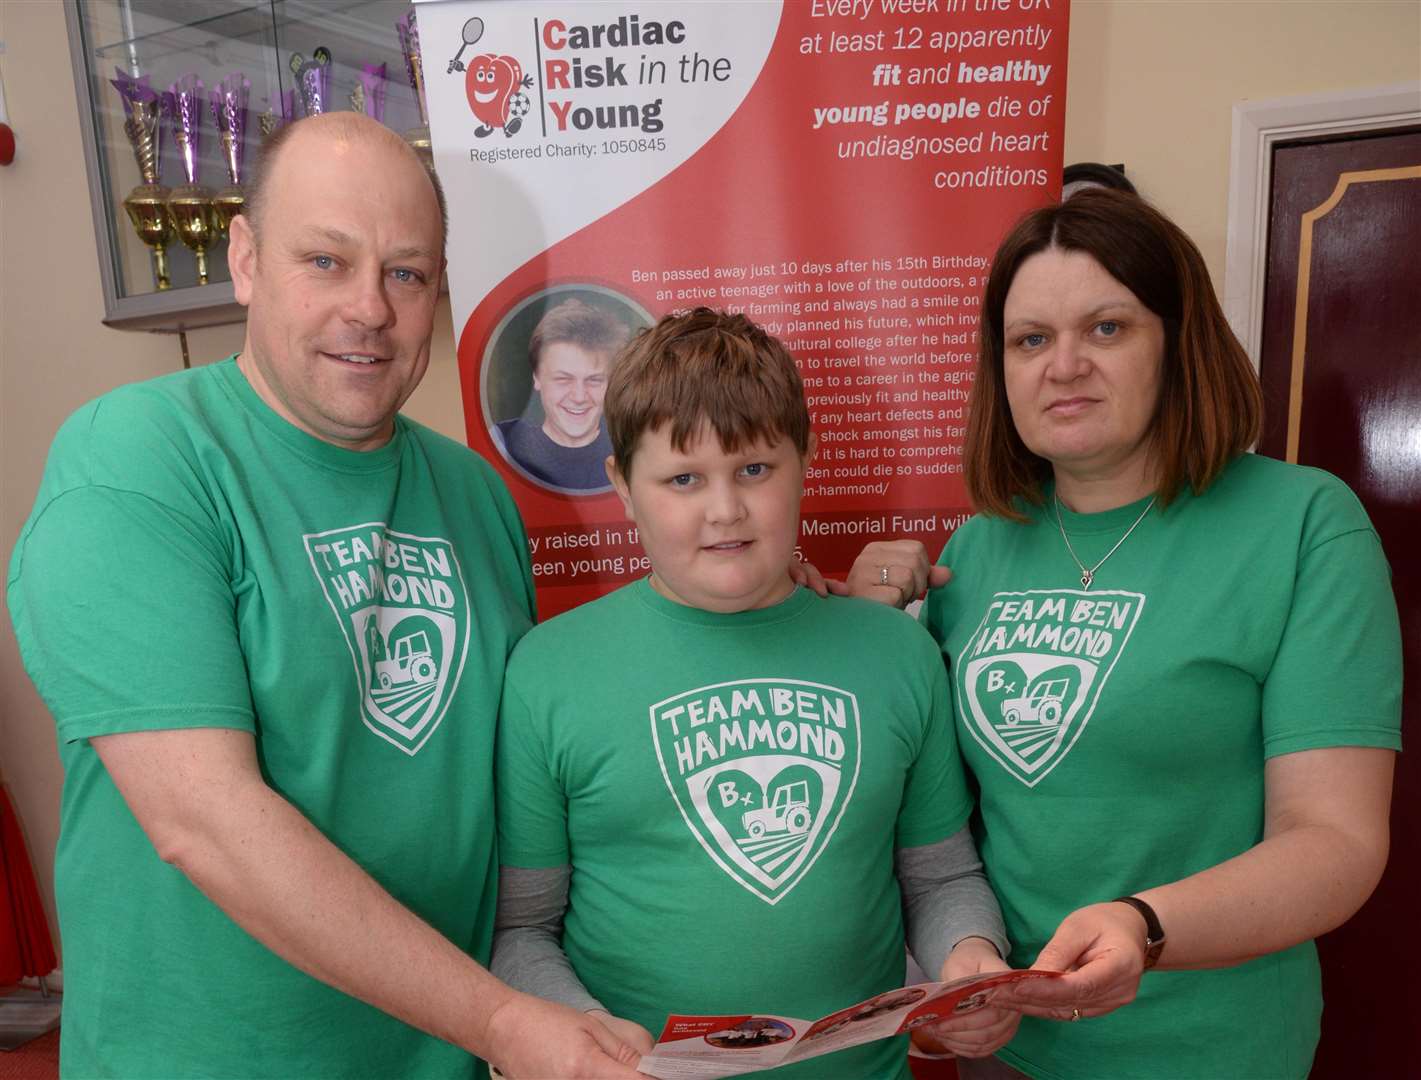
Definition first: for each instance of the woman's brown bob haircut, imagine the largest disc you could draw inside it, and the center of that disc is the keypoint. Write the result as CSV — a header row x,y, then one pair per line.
x,y
1210,407
702,369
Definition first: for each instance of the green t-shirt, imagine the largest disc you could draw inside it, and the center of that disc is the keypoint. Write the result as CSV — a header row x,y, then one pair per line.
x,y
729,791
194,561
1119,735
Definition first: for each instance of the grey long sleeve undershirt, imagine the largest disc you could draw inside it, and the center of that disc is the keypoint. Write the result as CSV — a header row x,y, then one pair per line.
x,y
945,898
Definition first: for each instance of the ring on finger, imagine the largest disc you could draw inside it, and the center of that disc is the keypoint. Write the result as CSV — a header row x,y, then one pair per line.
x,y
883,575
1075,1014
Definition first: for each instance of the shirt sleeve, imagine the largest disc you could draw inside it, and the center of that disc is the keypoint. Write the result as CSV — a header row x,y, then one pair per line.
x,y
527,938
933,614
532,807
514,522
946,898
936,799
1336,677
126,618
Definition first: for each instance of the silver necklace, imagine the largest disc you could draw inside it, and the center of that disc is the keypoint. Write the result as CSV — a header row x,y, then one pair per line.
x,y
1088,573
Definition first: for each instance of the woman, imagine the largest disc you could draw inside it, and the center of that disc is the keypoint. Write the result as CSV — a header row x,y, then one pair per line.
x,y
1175,665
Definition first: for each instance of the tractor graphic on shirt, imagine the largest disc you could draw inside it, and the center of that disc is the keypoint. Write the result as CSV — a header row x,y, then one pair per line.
x,y
401,605
1044,704
762,772
1029,677
788,812
412,665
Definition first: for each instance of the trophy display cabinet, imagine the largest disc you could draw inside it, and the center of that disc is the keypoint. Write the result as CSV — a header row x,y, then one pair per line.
x,y
175,96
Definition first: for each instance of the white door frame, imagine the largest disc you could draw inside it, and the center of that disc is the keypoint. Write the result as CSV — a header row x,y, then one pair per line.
x,y
1257,125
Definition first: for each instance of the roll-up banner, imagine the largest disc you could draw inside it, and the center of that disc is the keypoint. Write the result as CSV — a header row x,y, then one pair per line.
x,y
838,170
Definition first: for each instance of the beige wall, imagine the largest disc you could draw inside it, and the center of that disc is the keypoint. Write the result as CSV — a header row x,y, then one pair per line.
x,y
1151,83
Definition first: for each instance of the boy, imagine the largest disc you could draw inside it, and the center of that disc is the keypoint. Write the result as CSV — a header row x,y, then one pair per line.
x,y
724,768
570,351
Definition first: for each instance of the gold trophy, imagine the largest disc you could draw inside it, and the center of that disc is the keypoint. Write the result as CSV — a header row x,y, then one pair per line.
x,y
408,31
229,116
368,97
268,121
190,205
147,203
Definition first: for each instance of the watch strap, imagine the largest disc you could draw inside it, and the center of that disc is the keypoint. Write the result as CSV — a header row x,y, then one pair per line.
x,y
1154,932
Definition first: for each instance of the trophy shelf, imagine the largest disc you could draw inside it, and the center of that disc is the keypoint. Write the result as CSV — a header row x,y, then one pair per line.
x,y
175,97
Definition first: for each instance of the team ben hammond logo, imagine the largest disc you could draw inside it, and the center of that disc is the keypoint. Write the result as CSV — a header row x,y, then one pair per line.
x,y
762,771
402,606
1031,674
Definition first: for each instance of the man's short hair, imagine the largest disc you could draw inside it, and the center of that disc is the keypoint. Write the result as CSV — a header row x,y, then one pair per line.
x,y
257,183
575,322
701,369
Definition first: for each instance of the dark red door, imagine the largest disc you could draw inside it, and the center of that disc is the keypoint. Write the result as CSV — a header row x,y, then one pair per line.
x,y
1341,368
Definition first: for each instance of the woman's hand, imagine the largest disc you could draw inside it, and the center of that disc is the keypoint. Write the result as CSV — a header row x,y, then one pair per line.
x,y
979,1032
630,1032
895,572
1102,950
807,574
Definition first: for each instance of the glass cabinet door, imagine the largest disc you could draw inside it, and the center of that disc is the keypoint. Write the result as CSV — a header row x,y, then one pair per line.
x,y
176,96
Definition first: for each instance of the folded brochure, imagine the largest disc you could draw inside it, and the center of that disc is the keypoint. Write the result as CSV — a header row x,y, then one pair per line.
x,y
707,1047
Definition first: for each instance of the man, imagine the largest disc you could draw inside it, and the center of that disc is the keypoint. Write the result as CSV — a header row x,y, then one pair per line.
x,y
571,353
270,616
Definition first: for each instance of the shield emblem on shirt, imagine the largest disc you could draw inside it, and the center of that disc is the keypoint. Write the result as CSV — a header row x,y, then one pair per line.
x,y
761,771
401,604
1030,676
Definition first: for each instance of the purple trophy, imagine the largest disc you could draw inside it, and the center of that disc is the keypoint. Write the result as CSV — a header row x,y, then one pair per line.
x,y
268,121
147,204
229,116
408,30
313,80
191,204
369,94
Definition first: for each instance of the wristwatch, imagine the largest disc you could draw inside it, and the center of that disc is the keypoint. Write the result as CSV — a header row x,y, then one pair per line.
x,y
1154,932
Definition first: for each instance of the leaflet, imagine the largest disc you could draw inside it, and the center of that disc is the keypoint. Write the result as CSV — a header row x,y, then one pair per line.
x,y
708,1047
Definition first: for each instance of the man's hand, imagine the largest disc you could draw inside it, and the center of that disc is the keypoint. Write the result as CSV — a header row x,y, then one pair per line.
x,y
979,1032
629,1031
533,1039
1102,950
906,566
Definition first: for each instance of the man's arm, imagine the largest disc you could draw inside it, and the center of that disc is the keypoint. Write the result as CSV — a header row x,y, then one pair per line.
x,y
201,800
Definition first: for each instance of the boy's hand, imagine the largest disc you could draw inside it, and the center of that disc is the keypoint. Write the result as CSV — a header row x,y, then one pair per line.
x,y
531,1039
979,1032
895,572
629,1031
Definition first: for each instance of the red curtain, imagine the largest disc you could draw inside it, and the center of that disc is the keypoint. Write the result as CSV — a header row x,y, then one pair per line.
x,y
26,948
